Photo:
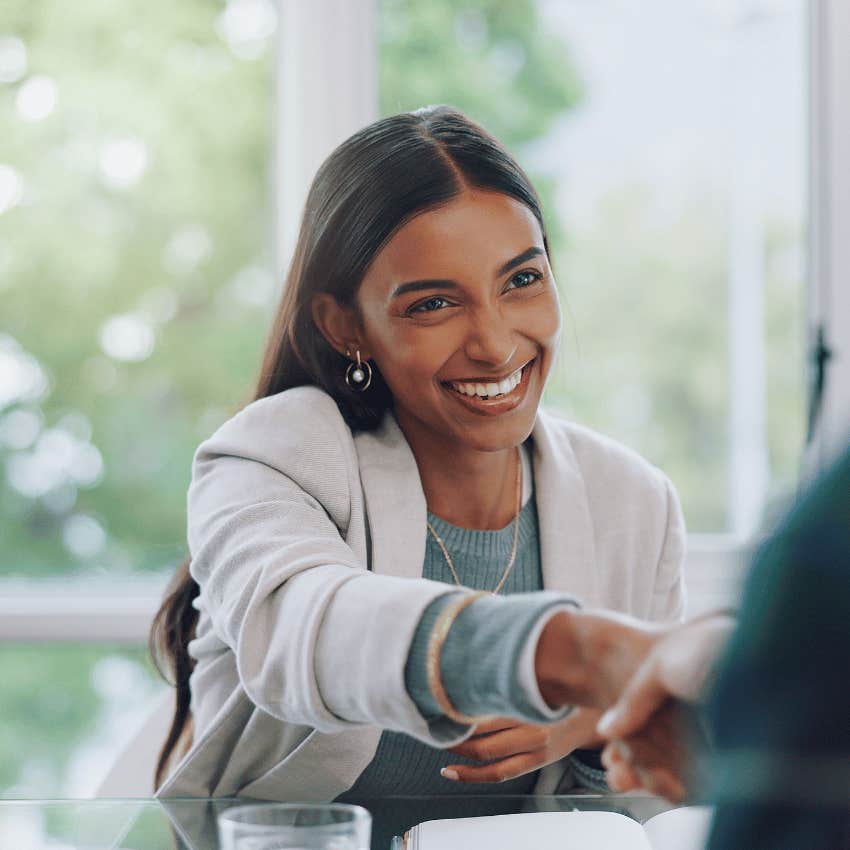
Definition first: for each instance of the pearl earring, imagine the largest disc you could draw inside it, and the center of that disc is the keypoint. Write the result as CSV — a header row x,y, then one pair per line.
x,y
358,376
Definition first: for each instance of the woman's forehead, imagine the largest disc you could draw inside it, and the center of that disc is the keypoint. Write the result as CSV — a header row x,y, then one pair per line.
x,y
474,228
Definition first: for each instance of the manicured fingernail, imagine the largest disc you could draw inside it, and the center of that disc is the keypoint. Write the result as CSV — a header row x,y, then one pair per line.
x,y
606,721
448,773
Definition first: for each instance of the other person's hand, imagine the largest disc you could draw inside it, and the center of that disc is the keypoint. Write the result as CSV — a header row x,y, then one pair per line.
x,y
664,758
514,749
677,666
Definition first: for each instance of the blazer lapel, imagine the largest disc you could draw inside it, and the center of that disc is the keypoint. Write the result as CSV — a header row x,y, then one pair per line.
x,y
396,513
567,550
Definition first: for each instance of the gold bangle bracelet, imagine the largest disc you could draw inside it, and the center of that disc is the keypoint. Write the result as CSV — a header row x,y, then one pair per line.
x,y
435,649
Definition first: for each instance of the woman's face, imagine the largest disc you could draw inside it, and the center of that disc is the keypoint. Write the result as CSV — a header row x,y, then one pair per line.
x,y
460,313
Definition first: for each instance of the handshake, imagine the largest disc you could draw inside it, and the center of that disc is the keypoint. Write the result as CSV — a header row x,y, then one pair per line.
x,y
636,686
648,681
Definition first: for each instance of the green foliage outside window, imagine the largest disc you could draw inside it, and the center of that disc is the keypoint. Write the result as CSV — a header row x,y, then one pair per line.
x,y
134,272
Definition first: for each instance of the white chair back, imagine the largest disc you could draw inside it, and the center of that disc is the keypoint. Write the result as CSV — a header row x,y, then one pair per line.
x,y
131,774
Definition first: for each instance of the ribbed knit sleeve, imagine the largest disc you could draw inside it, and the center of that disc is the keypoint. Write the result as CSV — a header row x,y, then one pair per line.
x,y
480,663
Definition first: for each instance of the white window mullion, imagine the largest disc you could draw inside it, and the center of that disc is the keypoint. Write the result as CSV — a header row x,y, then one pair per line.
x,y
327,88
748,462
829,200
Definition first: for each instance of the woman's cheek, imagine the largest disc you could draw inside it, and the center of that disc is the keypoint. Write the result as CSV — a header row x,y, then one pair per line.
x,y
544,326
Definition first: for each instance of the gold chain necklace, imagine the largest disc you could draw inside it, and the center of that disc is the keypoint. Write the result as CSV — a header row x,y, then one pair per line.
x,y
512,560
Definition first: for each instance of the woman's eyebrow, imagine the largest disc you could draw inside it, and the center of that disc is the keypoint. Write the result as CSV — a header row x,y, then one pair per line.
x,y
416,285
438,283
527,254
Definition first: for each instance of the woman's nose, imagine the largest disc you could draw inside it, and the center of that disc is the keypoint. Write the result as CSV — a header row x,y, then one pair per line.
x,y
490,340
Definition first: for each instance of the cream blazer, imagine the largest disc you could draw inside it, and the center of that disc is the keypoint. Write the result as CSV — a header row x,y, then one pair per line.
x,y
308,543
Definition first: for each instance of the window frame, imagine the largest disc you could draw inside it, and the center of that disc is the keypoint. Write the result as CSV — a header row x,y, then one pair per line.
x,y
325,88
829,217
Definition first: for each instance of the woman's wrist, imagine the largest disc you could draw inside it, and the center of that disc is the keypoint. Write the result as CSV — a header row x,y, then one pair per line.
x,y
558,661
585,659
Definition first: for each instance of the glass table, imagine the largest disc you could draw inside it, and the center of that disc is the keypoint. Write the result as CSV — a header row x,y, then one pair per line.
x,y
190,824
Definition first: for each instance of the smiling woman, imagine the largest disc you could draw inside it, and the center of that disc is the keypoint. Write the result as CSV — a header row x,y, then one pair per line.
x,y
395,457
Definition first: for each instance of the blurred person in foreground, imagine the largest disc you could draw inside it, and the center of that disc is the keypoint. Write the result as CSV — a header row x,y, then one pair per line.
x,y
776,701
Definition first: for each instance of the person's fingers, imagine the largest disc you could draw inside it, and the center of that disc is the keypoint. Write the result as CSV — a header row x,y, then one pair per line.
x,y
499,745
656,757
650,752
622,777
619,772
661,782
626,770
641,697
499,771
613,754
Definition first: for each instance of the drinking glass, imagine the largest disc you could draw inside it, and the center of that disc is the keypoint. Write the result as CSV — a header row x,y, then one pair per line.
x,y
295,826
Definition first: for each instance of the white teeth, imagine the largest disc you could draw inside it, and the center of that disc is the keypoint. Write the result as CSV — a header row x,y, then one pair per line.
x,y
490,390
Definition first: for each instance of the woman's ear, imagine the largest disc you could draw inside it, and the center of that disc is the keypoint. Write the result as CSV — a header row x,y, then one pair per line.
x,y
337,324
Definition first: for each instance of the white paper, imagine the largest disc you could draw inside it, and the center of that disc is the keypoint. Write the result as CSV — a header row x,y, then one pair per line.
x,y
538,830
679,829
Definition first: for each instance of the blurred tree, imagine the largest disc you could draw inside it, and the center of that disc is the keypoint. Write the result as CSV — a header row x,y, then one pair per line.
x,y
494,59
135,268
644,357
645,351
53,699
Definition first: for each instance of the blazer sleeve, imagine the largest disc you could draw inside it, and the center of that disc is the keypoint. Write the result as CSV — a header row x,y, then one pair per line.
x,y
318,639
669,596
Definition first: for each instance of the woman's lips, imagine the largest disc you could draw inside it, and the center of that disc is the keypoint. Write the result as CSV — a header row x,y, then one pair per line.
x,y
495,405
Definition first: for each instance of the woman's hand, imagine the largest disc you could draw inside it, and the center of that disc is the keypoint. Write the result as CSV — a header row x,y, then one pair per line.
x,y
514,749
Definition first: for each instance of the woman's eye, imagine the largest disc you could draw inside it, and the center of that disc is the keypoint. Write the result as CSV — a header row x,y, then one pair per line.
x,y
434,303
522,279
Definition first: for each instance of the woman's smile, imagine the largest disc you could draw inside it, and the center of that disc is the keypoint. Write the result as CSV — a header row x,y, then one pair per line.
x,y
489,396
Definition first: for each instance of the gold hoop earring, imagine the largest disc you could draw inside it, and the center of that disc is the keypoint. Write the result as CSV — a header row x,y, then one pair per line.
x,y
358,376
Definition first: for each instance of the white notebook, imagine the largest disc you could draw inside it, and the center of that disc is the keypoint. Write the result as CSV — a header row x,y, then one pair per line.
x,y
678,829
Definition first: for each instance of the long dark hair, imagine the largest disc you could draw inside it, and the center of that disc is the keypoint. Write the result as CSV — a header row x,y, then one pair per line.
x,y
368,188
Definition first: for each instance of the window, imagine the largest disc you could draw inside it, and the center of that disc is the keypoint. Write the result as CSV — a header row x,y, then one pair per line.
x,y
136,284
151,176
